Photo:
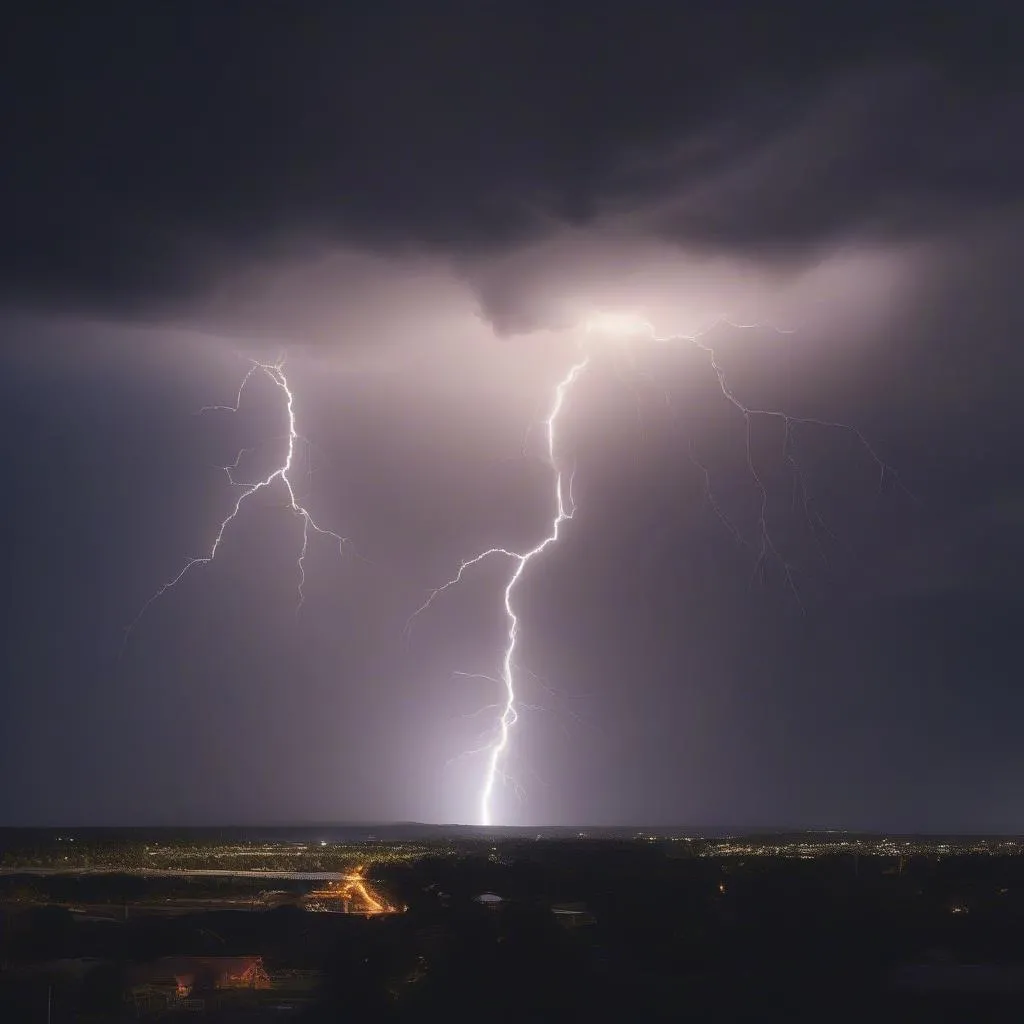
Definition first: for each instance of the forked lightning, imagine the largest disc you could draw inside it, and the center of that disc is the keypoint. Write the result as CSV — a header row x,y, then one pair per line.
x,y
627,327
275,373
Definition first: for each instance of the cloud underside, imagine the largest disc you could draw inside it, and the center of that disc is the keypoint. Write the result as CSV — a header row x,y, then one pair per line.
x,y
512,166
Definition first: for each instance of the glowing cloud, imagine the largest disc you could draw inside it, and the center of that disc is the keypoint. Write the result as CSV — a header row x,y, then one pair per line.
x,y
616,325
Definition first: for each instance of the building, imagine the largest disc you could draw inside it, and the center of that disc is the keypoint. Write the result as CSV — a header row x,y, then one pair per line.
x,y
490,900
173,982
572,915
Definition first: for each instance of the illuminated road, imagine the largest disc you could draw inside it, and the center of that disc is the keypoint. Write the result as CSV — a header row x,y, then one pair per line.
x,y
312,876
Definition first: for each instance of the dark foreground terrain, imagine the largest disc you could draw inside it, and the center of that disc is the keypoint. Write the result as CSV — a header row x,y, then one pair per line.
x,y
510,928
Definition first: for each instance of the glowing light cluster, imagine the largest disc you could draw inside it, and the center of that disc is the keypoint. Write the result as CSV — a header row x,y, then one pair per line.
x,y
354,893
616,325
619,327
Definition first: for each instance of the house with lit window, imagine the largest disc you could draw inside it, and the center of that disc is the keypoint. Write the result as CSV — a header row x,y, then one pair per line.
x,y
171,982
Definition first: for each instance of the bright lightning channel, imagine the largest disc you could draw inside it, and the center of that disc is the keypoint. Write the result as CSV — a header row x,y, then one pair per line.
x,y
275,373
564,510
627,327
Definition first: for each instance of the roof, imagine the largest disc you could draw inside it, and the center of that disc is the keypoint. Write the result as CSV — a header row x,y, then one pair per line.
x,y
569,908
200,971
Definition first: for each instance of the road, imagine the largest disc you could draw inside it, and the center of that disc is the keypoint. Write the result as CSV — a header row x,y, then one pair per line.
x,y
311,876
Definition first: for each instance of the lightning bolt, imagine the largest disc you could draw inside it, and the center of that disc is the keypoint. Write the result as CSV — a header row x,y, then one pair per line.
x,y
564,509
628,327
282,474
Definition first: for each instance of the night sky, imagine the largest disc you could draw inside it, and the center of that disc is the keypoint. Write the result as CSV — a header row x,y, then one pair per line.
x,y
422,205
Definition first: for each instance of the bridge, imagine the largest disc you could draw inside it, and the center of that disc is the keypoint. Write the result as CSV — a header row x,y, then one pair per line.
x,y
311,876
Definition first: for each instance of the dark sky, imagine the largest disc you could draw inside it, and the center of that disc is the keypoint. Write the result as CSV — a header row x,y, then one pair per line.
x,y
422,205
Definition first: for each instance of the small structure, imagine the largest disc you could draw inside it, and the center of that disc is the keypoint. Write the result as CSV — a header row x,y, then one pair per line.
x,y
572,915
172,982
491,900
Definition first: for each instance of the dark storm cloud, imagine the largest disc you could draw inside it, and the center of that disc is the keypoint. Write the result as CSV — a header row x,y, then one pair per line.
x,y
886,153
149,153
